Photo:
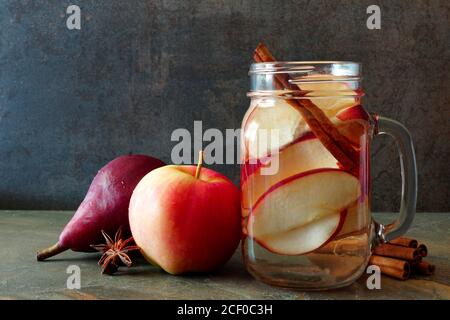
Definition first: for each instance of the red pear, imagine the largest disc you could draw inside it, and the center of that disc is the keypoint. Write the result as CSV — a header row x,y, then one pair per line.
x,y
105,206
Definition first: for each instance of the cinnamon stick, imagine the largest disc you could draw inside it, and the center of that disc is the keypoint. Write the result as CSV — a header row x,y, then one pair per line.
x,y
417,260
395,273
396,268
316,119
404,242
390,250
424,268
423,250
389,262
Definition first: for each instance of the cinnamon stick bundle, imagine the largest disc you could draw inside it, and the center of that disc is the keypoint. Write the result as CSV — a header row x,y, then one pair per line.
x,y
402,257
316,119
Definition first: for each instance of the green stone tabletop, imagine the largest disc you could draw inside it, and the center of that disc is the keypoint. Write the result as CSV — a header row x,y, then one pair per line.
x,y
22,277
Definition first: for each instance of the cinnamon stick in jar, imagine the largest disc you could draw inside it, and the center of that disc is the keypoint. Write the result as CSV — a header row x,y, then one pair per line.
x,y
316,119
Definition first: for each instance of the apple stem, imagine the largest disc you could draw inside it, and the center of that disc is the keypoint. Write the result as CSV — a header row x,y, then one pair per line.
x,y
50,252
199,164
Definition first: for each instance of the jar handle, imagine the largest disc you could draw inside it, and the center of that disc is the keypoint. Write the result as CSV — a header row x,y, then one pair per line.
x,y
408,166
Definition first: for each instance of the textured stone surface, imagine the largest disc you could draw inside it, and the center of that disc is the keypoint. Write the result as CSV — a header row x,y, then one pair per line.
x,y
70,101
22,277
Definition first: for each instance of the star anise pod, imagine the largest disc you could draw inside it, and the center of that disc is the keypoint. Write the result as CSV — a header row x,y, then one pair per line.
x,y
115,252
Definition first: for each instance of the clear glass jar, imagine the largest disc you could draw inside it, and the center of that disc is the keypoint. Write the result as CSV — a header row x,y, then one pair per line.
x,y
305,175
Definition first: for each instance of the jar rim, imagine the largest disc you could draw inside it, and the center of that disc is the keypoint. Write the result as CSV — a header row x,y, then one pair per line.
x,y
331,68
341,78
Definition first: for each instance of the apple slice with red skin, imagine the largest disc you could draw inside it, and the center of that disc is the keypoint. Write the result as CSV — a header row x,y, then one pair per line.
x,y
303,212
330,96
262,121
303,154
275,113
307,153
306,238
353,113
253,165
352,123
349,121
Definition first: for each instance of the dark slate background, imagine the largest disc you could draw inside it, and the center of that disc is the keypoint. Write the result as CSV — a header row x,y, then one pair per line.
x,y
70,101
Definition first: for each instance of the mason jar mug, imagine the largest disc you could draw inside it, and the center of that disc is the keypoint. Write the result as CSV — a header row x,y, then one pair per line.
x,y
305,175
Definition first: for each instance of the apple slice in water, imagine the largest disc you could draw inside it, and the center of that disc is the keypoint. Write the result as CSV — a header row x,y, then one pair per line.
x,y
305,238
303,212
307,153
353,113
291,128
331,96
357,219
276,114
352,123
270,117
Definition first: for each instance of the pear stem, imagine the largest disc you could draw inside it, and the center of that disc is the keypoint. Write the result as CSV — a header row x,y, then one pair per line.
x,y
50,252
199,164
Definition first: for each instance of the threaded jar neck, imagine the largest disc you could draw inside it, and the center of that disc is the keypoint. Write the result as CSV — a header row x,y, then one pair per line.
x,y
300,79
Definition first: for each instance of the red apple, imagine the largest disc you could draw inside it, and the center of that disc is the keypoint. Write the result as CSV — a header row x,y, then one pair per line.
x,y
186,222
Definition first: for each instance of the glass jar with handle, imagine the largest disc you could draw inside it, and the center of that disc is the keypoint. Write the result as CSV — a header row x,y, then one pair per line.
x,y
305,174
